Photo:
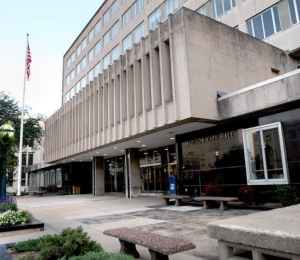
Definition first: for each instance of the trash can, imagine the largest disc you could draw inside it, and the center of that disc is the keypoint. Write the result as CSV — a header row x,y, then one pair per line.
x,y
172,185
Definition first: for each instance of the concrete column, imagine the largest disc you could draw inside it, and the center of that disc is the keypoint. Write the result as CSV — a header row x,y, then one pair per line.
x,y
98,176
132,173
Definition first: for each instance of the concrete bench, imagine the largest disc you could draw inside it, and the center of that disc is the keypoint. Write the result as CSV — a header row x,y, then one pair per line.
x,y
178,199
222,200
160,247
266,234
35,191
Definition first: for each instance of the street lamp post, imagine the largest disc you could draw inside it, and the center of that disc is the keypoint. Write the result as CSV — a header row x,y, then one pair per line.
x,y
6,143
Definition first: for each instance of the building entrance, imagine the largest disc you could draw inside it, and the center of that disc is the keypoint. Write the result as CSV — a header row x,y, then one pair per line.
x,y
156,167
114,175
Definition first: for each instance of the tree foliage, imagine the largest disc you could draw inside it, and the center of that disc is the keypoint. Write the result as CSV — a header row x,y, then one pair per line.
x,y
32,131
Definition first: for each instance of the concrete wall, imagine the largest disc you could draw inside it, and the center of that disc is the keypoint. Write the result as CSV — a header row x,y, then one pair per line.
x,y
282,91
221,58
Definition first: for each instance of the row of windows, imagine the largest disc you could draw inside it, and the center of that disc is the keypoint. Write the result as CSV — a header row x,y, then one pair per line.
x,y
134,37
167,8
71,59
111,33
70,76
263,25
81,65
95,50
94,30
81,47
110,11
132,11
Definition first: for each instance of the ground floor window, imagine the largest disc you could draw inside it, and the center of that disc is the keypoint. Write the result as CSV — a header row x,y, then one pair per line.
x,y
265,155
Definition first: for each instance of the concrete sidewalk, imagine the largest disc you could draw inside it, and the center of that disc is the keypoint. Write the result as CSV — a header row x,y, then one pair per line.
x,y
95,214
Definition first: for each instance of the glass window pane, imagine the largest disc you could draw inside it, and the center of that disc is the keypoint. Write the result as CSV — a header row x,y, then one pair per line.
x,y
258,29
249,25
91,75
219,6
276,17
227,5
97,27
83,82
268,23
78,68
292,11
273,154
91,55
83,44
298,8
83,62
255,156
91,35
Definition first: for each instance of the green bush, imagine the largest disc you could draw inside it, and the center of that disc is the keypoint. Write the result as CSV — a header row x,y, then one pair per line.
x,y
4,206
100,256
30,245
71,242
287,195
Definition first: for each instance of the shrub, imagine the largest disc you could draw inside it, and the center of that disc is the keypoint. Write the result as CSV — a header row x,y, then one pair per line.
x,y
213,188
30,245
4,206
100,256
71,242
10,218
287,195
245,193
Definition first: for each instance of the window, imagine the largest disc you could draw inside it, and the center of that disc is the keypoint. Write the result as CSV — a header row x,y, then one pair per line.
x,y
202,10
110,11
95,50
106,61
115,29
70,76
265,24
81,47
112,32
265,155
127,42
80,84
171,6
294,6
220,7
93,73
154,19
126,17
134,37
81,65
132,11
94,30
115,53
71,59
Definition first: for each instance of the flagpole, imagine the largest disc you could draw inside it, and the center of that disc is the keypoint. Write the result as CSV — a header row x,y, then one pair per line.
x,y
21,127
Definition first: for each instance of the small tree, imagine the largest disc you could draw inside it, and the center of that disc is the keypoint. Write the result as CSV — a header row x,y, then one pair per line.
x,y
32,132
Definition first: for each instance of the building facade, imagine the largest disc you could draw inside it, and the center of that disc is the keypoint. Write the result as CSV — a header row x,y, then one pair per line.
x,y
193,89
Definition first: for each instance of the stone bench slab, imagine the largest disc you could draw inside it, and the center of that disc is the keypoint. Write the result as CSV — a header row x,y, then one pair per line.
x,y
212,198
178,199
155,242
277,230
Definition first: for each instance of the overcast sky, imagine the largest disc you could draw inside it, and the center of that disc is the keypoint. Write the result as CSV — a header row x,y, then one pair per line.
x,y
53,26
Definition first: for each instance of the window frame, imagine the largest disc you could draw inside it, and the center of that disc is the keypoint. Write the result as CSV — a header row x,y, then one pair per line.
x,y
296,10
252,33
265,180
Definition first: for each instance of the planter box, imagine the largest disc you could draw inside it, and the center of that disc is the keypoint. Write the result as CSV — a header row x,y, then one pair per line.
x,y
33,226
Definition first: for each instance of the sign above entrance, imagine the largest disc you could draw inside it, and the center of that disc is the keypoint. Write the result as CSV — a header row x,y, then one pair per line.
x,y
210,138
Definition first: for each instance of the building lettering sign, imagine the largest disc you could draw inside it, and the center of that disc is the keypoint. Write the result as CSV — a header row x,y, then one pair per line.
x,y
210,138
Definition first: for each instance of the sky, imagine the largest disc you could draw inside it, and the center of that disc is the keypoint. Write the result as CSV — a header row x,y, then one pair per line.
x,y
52,25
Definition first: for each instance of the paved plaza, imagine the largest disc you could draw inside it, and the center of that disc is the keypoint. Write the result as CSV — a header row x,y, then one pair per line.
x,y
95,214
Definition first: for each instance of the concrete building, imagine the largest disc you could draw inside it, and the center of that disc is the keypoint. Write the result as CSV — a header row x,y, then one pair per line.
x,y
153,89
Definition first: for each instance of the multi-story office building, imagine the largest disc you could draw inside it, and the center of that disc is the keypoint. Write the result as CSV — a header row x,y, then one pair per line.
x,y
190,88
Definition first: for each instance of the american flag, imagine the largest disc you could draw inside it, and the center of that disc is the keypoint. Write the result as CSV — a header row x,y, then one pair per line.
x,y
28,61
